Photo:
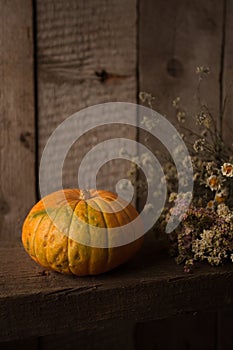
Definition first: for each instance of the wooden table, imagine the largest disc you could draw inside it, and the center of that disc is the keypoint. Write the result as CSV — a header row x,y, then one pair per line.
x,y
34,302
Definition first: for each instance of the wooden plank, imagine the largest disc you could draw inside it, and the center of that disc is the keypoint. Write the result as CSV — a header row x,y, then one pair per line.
x,y
26,344
227,71
115,334
175,38
86,55
17,156
225,329
149,287
198,331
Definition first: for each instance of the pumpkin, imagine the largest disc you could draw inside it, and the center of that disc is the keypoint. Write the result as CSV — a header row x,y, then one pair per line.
x,y
54,246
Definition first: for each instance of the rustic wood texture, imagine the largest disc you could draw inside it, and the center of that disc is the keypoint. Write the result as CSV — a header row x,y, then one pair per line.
x,y
227,73
17,158
176,37
115,334
26,344
195,331
87,53
225,330
35,303
192,332
86,56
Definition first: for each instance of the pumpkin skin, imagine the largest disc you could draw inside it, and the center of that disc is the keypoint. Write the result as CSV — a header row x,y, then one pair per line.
x,y
55,250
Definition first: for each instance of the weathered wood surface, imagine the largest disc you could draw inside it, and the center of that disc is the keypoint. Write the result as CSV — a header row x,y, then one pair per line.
x,y
225,330
17,158
86,56
195,331
26,344
151,286
176,37
114,334
227,73
207,331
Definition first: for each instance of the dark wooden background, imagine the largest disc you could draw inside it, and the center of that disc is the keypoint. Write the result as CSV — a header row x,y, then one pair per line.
x,y
57,57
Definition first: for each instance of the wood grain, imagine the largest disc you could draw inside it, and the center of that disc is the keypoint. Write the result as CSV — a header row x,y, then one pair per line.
x,y
175,38
225,329
227,80
86,56
191,331
149,287
17,158
26,344
115,334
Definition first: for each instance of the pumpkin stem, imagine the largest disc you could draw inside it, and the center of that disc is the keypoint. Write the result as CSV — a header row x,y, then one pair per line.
x,y
85,194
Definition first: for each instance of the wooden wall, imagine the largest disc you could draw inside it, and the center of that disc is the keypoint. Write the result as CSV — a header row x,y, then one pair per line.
x,y
57,57
86,54
17,116
190,35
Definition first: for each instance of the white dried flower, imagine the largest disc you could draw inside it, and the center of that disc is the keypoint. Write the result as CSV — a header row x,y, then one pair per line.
x,y
181,116
223,209
172,197
199,145
204,118
227,169
203,69
213,182
146,97
221,196
175,102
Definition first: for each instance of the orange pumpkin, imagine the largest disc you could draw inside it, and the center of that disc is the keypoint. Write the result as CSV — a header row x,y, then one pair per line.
x,y
53,246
